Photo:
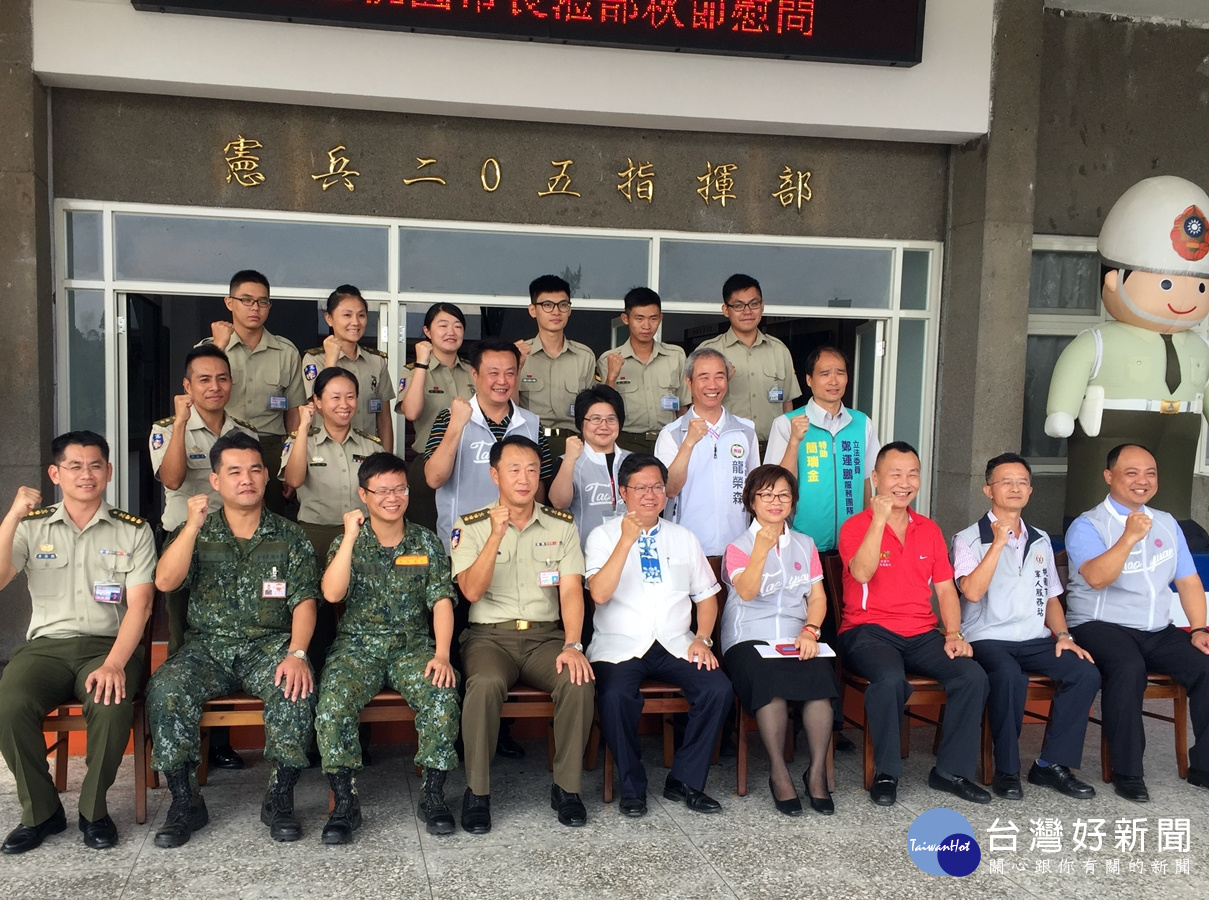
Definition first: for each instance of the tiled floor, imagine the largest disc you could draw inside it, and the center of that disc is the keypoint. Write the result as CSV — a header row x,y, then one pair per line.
x,y
747,851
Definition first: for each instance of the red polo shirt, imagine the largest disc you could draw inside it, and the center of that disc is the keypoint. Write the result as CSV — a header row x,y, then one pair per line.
x,y
899,595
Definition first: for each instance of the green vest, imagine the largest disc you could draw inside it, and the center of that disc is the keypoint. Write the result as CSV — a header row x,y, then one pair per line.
x,y
831,479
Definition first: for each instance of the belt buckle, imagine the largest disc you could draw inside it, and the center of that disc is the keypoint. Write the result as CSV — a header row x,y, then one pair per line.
x,y
522,624
1169,406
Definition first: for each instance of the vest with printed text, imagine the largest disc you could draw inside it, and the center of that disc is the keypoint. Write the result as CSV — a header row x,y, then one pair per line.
x,y
831,479
1013,608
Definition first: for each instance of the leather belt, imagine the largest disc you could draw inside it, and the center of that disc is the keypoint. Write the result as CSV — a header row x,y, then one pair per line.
x,y
511,624
1167,407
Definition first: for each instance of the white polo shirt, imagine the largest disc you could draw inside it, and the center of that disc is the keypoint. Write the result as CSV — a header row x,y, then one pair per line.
x,y
654,595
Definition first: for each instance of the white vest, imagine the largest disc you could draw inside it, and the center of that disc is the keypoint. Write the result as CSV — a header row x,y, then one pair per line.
x,y
596,498
1013,608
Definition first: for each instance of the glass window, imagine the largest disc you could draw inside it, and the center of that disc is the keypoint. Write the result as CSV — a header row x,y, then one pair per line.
x,y
916,265
86,360
84,245
1065,283
439,261
1040,358
909,387
836,277
185,250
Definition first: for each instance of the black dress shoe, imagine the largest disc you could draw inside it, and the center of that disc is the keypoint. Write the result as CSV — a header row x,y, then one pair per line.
x,y
1007,785
1062,780
634,807
1131,787
885,790
507,747
99,835
570,808
1198,777
476,812
27,837
824,805
225,757
790,807
843,744
698,801
958,787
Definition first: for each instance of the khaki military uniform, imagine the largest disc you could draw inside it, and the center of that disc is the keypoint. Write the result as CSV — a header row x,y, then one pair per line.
x,y
764,378
375,387
441,385
330,488
383,639
514,636
242,598
199,440
77,580
549,385
654,392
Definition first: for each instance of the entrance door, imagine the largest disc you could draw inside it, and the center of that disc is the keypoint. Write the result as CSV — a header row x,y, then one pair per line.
x,y
870,351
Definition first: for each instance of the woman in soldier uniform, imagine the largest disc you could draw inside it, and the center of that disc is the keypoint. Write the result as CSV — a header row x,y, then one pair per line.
x,y
347,315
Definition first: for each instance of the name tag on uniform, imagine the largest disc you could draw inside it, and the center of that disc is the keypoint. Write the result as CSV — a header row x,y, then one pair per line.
x,y
548,578
776,395
375,404
106,592
197,456
417,559
670,403
358,458
571,410
273,590
278,402
529,379
317,461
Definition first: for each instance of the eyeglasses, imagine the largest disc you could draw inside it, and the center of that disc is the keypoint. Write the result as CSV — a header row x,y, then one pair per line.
x,y
549,305
739,305
389,492
781,497
93,468
249,302
598,420
641,489
1014,482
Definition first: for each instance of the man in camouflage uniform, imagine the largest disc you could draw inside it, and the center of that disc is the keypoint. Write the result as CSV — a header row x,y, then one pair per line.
x,y
389,575
252,586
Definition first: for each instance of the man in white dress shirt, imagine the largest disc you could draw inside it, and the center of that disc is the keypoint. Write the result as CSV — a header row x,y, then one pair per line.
x,y
644,575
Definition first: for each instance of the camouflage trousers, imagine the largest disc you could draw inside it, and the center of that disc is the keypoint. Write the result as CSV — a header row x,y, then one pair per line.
x,y
357,667
202,670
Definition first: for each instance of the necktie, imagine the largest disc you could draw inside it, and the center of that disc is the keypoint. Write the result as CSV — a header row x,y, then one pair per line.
x,y
1173,365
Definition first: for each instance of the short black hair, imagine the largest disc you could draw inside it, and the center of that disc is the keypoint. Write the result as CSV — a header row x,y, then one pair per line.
x,y
1104,270
244,276
1115,453
636,462
1005,459
330,374
894,447
641,296
442,307
598,393
512,440
738,282
764,478
58,447
342,293
380,463
548,284
493,345
202,351
234,440
812,359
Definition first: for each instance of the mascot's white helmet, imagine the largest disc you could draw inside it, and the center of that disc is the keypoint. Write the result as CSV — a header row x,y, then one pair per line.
x,y
1159,225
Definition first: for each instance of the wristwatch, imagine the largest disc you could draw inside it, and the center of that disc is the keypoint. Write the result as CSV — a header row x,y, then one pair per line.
x,y
1065,634
708,641
813,629
960,635
297,654
575,644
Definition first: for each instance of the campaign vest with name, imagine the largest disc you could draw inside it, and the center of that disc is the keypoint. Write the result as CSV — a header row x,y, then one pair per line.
x,y
1013,608
470,486
831,479
1140,597
596,498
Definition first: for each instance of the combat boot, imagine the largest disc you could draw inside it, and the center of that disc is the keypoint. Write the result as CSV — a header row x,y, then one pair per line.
x,y
432,808
346,815
186,814
278,809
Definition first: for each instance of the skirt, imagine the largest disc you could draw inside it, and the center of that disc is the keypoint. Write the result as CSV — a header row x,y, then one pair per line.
x,y
759,681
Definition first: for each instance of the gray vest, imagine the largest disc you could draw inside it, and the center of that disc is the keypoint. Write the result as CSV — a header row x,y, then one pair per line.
x,y
470,486
595,498
1141,596
1013,608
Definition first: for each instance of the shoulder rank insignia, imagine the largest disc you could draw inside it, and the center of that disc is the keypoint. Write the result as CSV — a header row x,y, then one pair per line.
x,y
40,511
477,516
314,351
165,422
242,424
366,434
124,516
558,513
379,352
314,431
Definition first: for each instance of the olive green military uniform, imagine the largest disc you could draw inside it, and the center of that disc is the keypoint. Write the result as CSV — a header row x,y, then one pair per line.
x,y
265,382
549,384
237,638
514,636
383,638
70,635
764,378
654,392
375,387
1130,364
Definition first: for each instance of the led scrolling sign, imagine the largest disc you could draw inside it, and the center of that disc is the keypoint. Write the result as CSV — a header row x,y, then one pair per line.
x,y
876,32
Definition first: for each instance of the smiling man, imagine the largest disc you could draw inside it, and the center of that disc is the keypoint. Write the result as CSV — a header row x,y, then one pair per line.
x,y
1123,555
893,558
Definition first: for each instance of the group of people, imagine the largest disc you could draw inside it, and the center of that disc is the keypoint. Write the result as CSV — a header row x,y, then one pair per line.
x,y
542,471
